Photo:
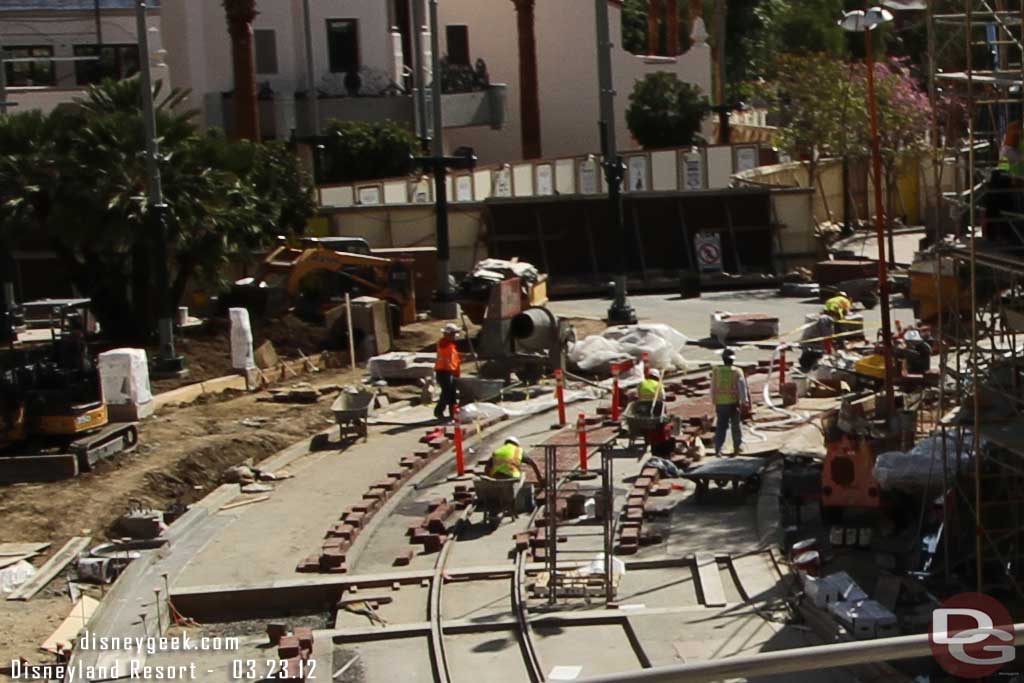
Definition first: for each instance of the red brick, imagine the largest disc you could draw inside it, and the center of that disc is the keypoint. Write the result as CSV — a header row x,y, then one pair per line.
x,y
423,454
344,531
650,473
332,558
627,549
660,490
420,535
340,569
435,523
338,544
434,542
434,504
357,519
404,558
461,505
636,514
630,534
276,631
540,554
650,537
305,636
522,541
413,527
636,501
309,564
643,483
288,647
375,495
362,506
539,539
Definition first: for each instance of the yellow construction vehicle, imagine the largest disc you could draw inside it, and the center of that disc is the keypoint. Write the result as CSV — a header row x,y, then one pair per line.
x,y
51,400
312,279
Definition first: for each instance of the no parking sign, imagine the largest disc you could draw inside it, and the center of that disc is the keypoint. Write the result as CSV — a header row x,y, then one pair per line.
x,y
708,246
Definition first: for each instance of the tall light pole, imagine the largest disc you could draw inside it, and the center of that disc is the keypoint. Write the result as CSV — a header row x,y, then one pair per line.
x,y
620,312
314,96
167,362
865,21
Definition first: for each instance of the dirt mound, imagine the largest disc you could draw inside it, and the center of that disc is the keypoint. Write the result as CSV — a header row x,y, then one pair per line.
x,y
193,476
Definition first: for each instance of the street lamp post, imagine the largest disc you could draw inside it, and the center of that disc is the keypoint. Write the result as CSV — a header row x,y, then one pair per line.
x,y
167,361
865,21
620,312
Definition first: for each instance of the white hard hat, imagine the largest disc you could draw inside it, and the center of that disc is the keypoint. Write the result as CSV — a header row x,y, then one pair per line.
x,y
512,440
450,328
655,373
912,336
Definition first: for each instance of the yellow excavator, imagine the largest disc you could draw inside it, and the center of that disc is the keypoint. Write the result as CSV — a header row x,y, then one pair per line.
x,y
312,278
51,397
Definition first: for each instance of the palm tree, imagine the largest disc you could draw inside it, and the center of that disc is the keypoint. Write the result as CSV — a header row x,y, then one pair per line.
x,y
240,15
529,98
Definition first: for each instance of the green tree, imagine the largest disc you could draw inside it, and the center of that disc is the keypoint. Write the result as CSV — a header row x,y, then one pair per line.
x,y
815,99
358,150
83,182
665,112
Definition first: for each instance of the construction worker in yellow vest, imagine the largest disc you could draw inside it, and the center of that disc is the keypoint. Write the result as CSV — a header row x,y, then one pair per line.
x,y
506,461
839,306
731,399
1011,154
651,388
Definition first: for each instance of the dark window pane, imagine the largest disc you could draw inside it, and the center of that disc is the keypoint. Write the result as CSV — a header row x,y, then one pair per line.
x,y
458,44
115,61
343,44
30,73
265,41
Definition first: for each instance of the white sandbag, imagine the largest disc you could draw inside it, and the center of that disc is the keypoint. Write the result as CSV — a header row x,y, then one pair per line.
x,y
242,357
124,374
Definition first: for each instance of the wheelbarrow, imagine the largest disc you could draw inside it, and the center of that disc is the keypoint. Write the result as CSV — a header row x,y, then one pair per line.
x,y
351,411
643,418
496,498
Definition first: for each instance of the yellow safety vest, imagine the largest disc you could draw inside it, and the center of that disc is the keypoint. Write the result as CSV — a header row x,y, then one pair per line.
x,y
506,461
839,305
1012,160
726,380
650,390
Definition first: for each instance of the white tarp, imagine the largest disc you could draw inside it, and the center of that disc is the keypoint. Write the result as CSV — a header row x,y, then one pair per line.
x,y
662,344
13,576
124,374
241,340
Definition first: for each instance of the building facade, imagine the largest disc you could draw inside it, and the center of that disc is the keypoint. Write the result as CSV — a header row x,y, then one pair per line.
x,y
54,49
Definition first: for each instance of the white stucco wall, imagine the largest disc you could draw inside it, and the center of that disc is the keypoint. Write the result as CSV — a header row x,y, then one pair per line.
x,y
63,31
200,48
567,74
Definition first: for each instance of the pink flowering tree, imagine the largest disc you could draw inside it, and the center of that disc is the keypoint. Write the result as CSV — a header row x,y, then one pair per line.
x,y
905,119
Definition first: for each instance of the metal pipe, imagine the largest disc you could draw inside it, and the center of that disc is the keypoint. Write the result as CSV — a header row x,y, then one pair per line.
x,y
440,172
314,96
787,661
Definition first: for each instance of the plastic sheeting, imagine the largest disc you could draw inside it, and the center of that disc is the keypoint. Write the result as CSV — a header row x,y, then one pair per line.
x,y
13,576
662,344
498,270
533,406
920,469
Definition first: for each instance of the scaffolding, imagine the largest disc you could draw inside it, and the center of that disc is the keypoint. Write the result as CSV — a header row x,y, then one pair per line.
x,y
979,291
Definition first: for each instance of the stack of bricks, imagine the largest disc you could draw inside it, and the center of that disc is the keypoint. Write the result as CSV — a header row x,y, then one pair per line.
x,y
431,531
340,537
637,509
464,496
293,651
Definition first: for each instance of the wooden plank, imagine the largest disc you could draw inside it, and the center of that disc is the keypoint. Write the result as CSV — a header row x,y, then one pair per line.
x,y
69,629
12,549
15,559
710,580
250,501
52,567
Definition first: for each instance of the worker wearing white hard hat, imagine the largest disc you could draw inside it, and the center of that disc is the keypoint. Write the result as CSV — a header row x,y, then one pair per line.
x,y
651,388
915,352
447,369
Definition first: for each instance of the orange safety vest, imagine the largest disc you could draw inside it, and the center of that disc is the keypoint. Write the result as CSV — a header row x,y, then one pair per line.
x,y
448,358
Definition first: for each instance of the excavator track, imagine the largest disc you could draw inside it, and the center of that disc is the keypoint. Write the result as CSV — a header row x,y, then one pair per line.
x,y
121,437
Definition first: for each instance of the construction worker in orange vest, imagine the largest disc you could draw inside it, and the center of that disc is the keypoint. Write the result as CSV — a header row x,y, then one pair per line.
x,y
446,370
731,398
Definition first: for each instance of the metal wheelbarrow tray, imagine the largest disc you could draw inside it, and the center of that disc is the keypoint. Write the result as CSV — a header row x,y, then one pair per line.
x,y
351,411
